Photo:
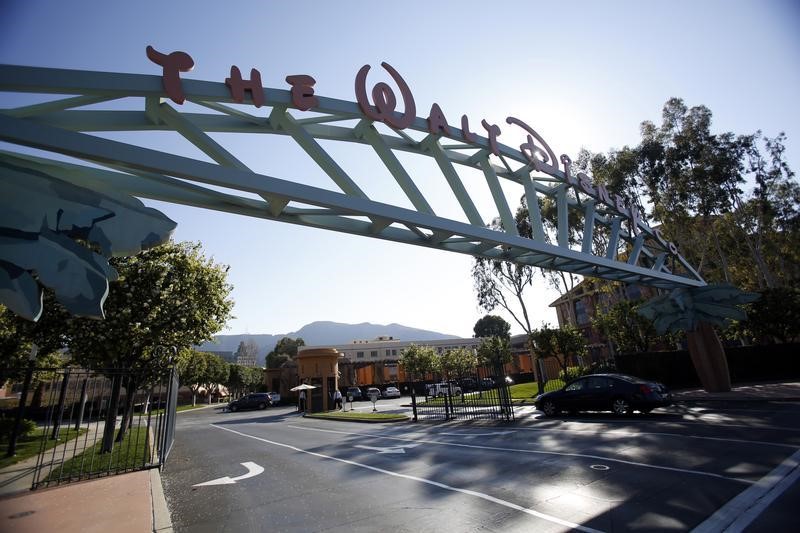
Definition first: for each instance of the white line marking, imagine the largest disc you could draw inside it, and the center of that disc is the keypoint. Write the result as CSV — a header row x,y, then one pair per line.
x,y
622,433
252,470
737,514
393,449
476,494
538,452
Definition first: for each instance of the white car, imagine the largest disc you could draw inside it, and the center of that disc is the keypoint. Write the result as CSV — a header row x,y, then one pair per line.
x,y
391,392
275,397
440,389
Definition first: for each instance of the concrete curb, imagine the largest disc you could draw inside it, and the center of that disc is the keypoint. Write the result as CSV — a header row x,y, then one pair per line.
x,y
162,520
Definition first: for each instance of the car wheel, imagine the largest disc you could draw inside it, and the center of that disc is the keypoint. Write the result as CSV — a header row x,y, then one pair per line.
x,y
234,408
620,406
550,408
262,406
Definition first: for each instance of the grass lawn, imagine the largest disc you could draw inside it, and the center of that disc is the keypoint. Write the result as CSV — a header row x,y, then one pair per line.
x,y
30,445
521,394
187,407
359,417
131,453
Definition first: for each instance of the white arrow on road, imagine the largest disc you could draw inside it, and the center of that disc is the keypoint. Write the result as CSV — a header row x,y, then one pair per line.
x,y
392,449
252,470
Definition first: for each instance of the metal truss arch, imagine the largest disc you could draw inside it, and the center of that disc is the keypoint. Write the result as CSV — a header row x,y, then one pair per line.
x,y
62,126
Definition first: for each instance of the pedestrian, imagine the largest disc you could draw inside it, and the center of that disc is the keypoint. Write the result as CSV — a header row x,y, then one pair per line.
x,y
337,399
302,401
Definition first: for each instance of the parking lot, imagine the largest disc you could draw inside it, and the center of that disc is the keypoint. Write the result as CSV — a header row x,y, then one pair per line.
x,y
699,465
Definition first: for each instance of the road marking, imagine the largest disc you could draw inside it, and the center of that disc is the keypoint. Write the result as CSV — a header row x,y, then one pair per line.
x,y
537,452
622,433
252,470
467,492
485,434
393,449
738,513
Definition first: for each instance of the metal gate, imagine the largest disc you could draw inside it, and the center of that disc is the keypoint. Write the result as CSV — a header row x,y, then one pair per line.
x,y
97,423
483,395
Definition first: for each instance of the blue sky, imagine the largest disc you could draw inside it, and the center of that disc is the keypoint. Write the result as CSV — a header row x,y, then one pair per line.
x,y
583,74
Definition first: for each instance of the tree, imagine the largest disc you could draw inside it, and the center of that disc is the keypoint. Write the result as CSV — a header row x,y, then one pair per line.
x,y
775,317
495,352
621,324
169,296
457,363
285,350
492,326
216,373
192,367
560,343
418,361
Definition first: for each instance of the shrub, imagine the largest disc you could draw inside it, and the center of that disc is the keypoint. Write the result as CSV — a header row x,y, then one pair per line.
x,y
572,373
7,426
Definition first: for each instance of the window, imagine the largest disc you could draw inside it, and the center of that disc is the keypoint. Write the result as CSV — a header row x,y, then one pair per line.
x,y
359,355
388,353
373,353
578,385
580,313
394,352
599,383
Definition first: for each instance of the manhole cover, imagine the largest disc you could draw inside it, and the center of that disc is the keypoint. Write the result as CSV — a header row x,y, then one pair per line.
x,y
599,467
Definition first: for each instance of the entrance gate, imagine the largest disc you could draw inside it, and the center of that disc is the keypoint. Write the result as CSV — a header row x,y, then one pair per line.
x,y
614,242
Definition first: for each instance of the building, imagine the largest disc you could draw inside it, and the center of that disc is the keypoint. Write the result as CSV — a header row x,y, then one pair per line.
x,y
246,359
578,306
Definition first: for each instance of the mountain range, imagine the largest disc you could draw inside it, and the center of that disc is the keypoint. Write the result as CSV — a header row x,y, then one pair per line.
x,y
322,333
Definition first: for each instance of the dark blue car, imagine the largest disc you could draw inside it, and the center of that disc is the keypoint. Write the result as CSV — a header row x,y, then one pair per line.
x,y
617,393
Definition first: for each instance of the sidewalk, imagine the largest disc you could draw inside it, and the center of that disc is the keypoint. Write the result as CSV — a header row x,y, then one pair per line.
x,y
787,391
135,503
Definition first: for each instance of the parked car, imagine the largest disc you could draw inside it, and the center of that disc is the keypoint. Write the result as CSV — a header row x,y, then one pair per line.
x,y
391,392
257,400
487,383
373,391
440,389
353,394
618,393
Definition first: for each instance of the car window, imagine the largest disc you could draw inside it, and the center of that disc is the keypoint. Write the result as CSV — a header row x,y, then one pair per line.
x,y
599,383
577,385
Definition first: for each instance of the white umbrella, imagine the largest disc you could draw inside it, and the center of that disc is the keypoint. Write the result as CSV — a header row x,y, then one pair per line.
x,y
304,386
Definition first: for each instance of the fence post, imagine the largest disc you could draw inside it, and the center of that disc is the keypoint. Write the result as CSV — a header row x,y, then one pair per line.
x,y
414,401
84,397
12,442
62,396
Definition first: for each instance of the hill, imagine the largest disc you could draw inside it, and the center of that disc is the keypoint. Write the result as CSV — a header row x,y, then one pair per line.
x,y
324,332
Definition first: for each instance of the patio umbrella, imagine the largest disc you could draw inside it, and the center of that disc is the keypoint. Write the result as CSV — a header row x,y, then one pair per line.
x,y
304,386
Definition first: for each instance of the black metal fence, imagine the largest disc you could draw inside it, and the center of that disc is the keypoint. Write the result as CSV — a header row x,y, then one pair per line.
x,y
482,395
95,423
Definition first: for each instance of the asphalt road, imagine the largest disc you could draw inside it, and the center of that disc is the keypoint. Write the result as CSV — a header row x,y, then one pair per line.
x,y
696,466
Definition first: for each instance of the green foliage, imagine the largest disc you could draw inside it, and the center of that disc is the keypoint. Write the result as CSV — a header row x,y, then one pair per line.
x,y
625,327
418,361
285,350
457,363
7,427
243,379
775,317
492,326
693,181
169,296
494,351
573,372
559,343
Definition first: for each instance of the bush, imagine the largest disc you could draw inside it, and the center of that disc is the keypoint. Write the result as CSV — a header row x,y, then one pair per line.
x,y
572,373
7,426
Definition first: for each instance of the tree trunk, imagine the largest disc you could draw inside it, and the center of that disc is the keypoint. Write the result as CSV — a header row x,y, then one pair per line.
x,y
709,359
130,389
111,415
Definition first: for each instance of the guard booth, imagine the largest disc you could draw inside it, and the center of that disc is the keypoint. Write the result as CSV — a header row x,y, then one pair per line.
x,y
319,367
